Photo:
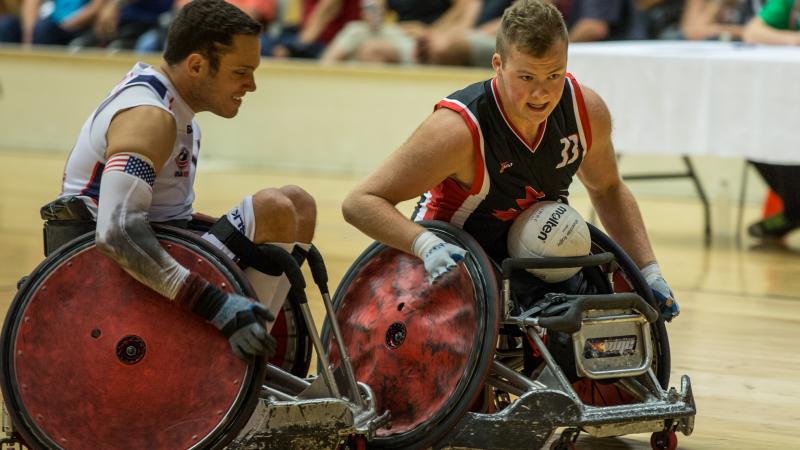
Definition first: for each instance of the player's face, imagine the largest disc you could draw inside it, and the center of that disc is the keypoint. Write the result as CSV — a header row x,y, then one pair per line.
x,y
531,86
225,89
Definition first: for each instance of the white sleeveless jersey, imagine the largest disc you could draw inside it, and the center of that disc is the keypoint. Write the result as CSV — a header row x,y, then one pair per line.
x,y
172,192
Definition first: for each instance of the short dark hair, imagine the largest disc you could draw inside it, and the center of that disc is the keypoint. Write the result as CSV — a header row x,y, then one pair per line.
x,y
532,26
206,27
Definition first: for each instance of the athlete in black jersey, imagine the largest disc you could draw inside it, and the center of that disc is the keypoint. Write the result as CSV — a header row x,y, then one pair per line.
x,y
494,148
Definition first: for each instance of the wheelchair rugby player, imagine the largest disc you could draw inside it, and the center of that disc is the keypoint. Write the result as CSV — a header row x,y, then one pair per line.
x,y
464,347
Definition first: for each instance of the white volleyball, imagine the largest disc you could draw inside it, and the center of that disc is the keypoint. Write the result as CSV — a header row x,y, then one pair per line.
x,y
549,229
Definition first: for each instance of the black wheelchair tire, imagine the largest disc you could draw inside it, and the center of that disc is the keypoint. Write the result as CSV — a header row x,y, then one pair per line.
x,y
661,358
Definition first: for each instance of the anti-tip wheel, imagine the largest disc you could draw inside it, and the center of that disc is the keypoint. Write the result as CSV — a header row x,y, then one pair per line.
x,y
664,440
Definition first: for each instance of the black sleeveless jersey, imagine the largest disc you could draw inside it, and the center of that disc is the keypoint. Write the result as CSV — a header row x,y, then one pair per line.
x,y
510,173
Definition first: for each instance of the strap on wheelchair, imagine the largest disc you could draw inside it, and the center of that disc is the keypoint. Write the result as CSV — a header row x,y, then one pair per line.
x,y
248,253
267,259
65,218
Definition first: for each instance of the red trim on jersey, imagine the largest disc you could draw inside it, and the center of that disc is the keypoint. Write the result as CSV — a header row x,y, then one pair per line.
x,y
539,133
477,180
449,196
446,198
587,128
96,173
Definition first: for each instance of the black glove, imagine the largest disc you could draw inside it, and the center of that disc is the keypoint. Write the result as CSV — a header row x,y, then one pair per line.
x,y
240,319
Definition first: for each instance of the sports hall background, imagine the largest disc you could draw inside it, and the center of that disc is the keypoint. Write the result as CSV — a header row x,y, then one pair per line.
x,y
325,127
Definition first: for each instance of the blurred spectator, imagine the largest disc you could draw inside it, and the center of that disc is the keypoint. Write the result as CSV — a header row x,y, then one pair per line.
x,y
120,23
784,181
62,21
661,18
321,21
262,11
601,20
397,39
153,40
716,19
588,20
9,21
777,23
471,47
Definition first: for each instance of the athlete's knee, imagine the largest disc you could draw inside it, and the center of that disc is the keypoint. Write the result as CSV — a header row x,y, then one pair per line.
x,y
276,216
305,209
304,203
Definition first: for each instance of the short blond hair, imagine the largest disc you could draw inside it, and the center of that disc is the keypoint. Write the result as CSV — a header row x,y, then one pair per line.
x,y
532,26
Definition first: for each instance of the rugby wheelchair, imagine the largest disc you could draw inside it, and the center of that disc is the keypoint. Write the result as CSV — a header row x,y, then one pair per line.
x,y
92,359
448,360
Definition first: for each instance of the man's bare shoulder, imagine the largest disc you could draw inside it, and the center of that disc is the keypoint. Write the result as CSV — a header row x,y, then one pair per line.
x,y
442,136
146,130
599,115
144,118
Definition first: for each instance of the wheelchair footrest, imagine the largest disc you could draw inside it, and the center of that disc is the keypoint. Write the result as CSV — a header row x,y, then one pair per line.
x,y
530,421
676,411
319,423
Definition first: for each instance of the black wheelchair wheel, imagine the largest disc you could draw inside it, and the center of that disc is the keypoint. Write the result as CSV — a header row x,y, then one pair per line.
x,y
626,277
425,350
93,359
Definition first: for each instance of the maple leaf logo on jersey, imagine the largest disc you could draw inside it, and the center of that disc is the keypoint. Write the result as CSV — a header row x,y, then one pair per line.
x,y
531,196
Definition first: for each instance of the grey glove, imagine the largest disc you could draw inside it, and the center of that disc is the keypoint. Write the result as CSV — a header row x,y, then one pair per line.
x,y
437,255
240,319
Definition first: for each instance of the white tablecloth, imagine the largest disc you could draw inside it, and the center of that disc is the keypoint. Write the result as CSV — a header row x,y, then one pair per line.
x,y
697,98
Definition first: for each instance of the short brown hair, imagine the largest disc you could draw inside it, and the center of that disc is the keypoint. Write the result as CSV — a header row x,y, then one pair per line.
x,y
207,27
532,26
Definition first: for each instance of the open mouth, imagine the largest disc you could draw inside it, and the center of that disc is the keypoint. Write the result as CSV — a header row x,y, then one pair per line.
x,y
237,100
537,107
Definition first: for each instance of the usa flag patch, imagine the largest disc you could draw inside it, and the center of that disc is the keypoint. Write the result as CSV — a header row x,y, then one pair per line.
x,y
132,165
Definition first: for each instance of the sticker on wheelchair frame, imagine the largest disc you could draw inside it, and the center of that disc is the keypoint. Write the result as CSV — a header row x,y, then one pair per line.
x,y
607,347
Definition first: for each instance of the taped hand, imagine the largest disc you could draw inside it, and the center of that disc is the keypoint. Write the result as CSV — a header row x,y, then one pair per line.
x,y
667,304
438,256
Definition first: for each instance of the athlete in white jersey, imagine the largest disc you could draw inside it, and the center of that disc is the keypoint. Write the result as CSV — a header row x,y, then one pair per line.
x,y
172,190
134,163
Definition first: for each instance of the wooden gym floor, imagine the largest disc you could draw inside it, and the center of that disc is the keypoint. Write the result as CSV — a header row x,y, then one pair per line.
x,y
737,336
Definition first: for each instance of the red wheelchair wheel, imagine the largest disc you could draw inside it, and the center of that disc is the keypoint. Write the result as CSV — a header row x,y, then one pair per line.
x,y
424,349
94,359
293,353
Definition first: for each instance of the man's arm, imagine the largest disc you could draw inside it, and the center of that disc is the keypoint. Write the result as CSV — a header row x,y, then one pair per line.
x,y
441,147
123,230
699,21
461,16
324,13
139,142
29,13
614,203
84,16
589,30
759,32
